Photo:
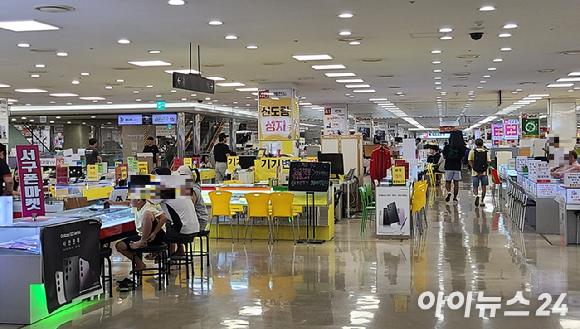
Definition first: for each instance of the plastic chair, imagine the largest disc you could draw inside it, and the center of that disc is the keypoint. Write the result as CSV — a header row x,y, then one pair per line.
x,y
366,209
496,181
418,203
233,181
282,208
258,207
220,206
370,195
430,174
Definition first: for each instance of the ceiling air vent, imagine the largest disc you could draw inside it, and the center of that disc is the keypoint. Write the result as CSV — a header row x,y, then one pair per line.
x,y
55,9
43,50
213,65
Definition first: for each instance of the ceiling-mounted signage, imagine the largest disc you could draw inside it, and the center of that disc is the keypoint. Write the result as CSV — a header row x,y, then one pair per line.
x,y
164,119
193,82
129,119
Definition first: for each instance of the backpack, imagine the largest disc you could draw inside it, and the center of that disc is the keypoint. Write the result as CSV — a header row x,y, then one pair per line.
x,y
480,161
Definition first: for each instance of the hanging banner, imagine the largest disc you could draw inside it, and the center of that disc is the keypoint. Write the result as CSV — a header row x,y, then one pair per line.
x,y
530,127
510,128
335,121
497,131
4,114
30,175
279,116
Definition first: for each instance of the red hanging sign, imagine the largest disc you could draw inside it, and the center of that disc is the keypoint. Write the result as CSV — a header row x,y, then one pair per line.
x,y
30,175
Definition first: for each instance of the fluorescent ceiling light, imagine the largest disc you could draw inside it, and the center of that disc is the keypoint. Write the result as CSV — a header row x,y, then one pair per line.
x,y
216,78
304,104
23,45
231,37
30,90
215,23
39,65
181,71
538,95
251,47
322,57
510,26
445,30
574,74
492,69
559,85
176,2
354,43
437,71
247,89
150,63
378,99
92,98
345,33
436,51
346,15
487,8
505,49
568,79
108,87
504,35
339,75
75,82
62,54
350,80
27,26
329,67
155,51
4,85
124,41
364,91
497,60
231,84
63,95
358,86
446,37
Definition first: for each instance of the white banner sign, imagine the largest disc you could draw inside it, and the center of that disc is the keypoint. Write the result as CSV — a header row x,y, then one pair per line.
x,y
335,121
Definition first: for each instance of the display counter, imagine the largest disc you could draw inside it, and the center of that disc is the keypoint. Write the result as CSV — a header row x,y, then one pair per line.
x,y
49,206
568,200
323,201
91,190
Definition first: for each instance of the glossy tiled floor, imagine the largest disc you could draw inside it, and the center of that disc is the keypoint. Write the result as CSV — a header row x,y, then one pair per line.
x,y
358,281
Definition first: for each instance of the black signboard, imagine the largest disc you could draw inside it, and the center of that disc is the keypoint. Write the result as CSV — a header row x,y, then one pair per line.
x,y
193,82
71,264
309,176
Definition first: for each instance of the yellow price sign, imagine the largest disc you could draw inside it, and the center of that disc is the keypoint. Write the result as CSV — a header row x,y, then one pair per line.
x,y
142,168
399,176
124,172
92,173
233,163
188,162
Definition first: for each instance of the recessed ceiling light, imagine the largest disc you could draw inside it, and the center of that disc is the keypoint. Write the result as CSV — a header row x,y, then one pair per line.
x,y
479,87
568,80
510,26
23,45
504,35
27,26
63,95
350,80
176,2
482,81
346,15
150,63
321,57
184,99
124,41
492,69
345,33
120,80
216,78
231,37
75,82
30,90
157,96
155,51
437,88
138,100
436,62
173,90
35,75
354,43
215,23
358,86
437,78
231,84
52,102
193,95
364,91
251,47
247,89
329,67
445,30
68,121
39,65
487,76
108,87
437,71
437,82
62,54
446,37
487,8
436,51
339,75
249,97
149,86
135,91
92,98
505,49
574,74
497,60
519,89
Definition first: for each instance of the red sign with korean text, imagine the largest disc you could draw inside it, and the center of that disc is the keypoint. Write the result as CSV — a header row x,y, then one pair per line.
x,y
30,175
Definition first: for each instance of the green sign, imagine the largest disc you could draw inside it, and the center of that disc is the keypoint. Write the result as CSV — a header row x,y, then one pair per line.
x,y
530,127
161,105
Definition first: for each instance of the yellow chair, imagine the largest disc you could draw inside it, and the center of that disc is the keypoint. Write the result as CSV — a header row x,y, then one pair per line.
x,y
220,206
237,210
418,203
233,181
258,207
430,174
282,208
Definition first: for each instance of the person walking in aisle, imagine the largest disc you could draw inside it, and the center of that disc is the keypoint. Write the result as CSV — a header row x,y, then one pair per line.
x,y
453,153
92,153
152,148
221,152
479,161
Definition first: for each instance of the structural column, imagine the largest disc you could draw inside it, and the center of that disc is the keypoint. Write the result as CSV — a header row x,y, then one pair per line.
x,y
180,145
197,134
561,125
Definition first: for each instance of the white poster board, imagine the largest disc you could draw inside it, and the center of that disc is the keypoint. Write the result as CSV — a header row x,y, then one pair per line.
x,y
393,217
409,149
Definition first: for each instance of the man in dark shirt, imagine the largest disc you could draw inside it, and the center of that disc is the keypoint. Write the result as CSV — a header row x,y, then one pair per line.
x,y
453,153
152,148
91,153
221,151
7,181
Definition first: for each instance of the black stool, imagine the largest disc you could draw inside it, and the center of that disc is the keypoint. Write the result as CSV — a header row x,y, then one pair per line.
x,y
188,261
106,253
201,253
160,270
